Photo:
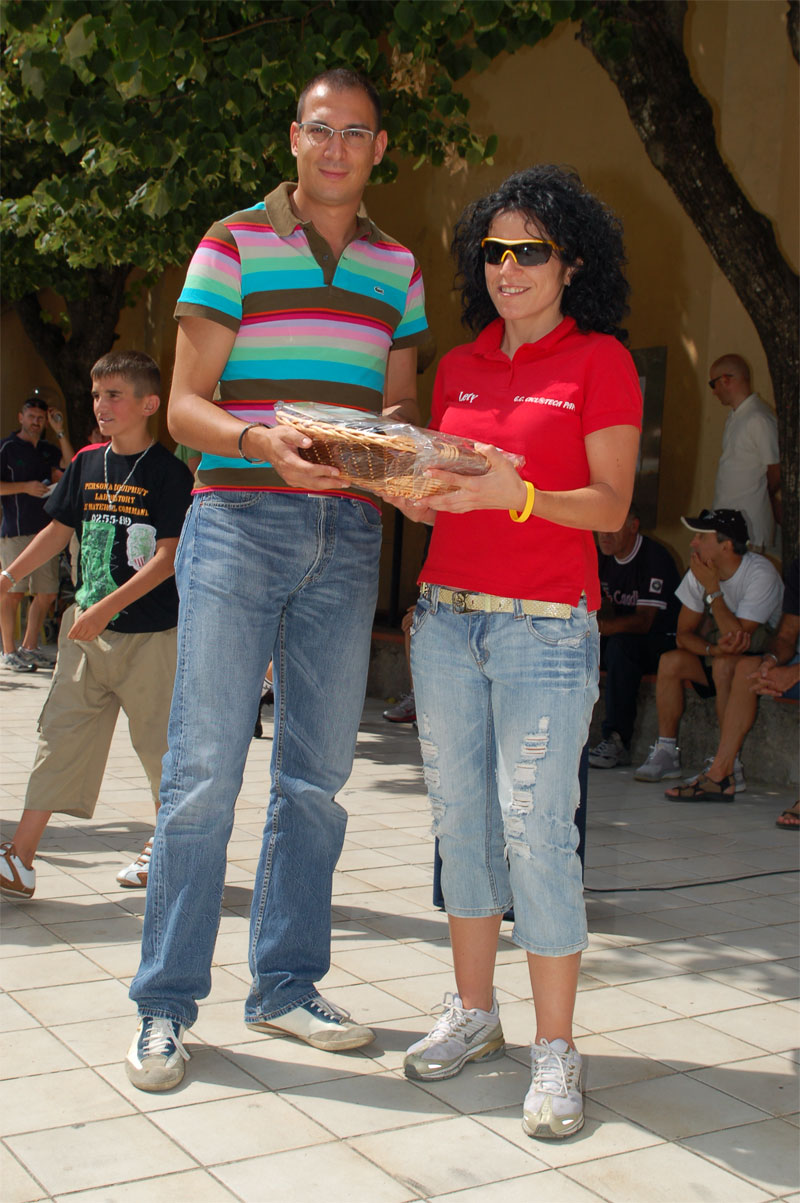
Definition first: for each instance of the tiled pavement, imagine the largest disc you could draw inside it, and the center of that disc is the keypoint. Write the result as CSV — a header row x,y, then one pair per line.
x,y
687,1013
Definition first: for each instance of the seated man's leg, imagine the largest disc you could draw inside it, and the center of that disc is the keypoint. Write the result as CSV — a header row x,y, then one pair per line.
x,y
674,668
738,718
321,670
230,602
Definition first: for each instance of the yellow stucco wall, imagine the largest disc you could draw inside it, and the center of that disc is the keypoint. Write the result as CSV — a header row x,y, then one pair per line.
x,y
555,103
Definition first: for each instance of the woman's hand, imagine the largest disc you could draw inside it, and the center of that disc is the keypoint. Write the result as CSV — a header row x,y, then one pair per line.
x,y
501,488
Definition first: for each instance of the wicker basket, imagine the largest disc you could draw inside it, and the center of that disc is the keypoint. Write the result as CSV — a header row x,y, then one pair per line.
x,y
377,453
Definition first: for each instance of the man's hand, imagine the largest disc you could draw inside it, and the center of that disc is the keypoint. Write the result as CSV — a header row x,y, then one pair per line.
x,y
35,488
734,643
707,574
89,624
279,445
771,679
56,420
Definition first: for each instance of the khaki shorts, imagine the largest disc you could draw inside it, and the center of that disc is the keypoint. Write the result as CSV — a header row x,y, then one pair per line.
x,y
41,580
91,683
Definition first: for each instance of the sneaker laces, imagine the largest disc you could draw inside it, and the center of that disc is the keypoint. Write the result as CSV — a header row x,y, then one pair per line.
x,y
160,1039
554,1072
329,1009
453,1017
144,856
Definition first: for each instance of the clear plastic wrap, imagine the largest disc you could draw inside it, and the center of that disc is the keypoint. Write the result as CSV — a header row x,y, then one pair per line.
x,y
380,454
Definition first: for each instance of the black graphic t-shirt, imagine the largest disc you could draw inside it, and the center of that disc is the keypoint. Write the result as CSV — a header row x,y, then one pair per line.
x,y
118,526
646,577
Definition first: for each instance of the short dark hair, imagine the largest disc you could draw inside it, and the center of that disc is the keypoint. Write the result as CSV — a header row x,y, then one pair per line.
x,y
135,367
342,79
589,234
34,402
738,546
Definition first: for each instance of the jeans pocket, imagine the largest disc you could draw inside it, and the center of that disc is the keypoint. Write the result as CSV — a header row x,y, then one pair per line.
x,y
369,514
229,499
421,612
560,632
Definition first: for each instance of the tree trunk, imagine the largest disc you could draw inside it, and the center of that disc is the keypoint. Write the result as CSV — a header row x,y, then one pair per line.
x,y
92,324
676,125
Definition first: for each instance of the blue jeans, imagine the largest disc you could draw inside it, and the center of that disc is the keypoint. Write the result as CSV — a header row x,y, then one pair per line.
x,y
503,707
260,575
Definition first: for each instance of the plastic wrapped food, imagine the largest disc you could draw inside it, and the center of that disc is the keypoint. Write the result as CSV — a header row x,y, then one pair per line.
x,y
381,454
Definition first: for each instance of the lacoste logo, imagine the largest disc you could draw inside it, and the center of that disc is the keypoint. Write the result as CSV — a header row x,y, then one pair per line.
x,y
378,289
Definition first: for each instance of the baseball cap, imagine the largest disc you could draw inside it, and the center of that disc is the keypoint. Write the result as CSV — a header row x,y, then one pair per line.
x,y
34,402
731,523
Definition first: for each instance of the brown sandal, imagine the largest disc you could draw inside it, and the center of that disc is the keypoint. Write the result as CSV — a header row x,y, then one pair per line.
x,y
704,790
792,813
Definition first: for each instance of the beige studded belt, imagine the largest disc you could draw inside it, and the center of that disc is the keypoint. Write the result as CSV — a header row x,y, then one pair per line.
x,y
488,603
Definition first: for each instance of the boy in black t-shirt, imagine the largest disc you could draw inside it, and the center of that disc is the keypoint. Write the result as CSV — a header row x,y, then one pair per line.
x,y
126,501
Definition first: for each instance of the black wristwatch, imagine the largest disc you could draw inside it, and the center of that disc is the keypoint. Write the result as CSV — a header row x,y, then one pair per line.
x,y
712,597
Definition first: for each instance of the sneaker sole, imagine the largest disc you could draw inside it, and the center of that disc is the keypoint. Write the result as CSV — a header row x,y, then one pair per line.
x,y
545,1132
158,1080
20,895
486,1052
132,885
330,1042
672,775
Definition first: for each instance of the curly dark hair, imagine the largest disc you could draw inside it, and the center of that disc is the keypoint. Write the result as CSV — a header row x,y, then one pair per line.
x,y
588,231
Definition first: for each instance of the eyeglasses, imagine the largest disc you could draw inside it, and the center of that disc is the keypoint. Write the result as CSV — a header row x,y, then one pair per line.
x,y
354,136
527,252
722,376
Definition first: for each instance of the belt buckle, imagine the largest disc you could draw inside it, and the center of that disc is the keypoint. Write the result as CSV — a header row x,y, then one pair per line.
x,y
459,602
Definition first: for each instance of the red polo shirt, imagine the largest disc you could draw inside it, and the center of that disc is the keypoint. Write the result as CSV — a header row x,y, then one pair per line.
x,y
542,404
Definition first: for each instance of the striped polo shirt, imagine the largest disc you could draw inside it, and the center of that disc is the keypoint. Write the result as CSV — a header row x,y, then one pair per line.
x,y
307,328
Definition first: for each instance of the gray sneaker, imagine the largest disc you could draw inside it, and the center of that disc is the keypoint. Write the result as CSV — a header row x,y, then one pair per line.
x,y
662,764
404,711
458,1036
32,655
609,753
553,1106
156,1058
13,663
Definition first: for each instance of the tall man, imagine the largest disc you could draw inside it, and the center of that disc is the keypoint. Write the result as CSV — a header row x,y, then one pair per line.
x,y
749,471
29,465
637,623
299,297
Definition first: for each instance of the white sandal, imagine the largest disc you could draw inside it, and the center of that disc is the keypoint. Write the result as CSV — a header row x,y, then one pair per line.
x,y
16,880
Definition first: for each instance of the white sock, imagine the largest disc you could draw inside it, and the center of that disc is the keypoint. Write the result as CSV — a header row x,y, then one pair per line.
x,y
664,742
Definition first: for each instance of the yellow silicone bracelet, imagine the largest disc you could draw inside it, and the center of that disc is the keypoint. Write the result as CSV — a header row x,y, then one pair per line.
x,y
514,515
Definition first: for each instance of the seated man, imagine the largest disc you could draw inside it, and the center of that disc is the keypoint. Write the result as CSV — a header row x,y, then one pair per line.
x,y
739,593
637,624
777,674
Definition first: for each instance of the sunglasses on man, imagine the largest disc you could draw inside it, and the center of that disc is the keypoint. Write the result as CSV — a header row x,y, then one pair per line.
x,y
722,376
526,252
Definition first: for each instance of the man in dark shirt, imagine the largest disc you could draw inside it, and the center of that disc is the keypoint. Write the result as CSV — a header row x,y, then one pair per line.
x,y
637,622
29,467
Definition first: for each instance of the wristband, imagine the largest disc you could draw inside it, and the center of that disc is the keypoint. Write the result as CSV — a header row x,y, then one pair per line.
x,y
770,656
246,458
9,577
708,649
525,514
59,434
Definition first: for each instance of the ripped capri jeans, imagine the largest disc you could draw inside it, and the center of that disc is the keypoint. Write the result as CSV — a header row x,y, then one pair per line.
x,y
503,708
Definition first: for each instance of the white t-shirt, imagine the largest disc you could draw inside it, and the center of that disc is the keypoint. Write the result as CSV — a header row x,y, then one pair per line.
x,y
754,592
749,444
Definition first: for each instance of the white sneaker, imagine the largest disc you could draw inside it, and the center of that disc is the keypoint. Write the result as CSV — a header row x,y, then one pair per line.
x,y
16,880
135,876
553,1106
156,1058
662,763
609,753
458,1036
319,1023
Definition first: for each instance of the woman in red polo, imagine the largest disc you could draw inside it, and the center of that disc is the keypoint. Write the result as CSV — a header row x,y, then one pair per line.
x,y
504,640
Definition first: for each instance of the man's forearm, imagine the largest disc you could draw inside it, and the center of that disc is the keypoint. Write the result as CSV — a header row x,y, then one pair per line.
x,y
48,543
